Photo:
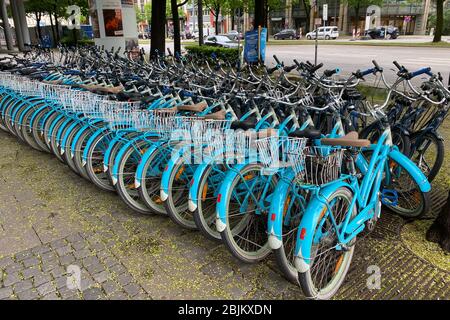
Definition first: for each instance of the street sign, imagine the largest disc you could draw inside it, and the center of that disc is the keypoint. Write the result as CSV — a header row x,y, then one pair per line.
x,y
325,12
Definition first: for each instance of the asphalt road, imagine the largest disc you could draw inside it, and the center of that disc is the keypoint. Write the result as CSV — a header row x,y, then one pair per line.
x,y
352,57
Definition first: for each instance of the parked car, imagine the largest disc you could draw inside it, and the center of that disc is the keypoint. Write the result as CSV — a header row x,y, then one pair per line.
x,y
220,41
286,34
379,32
326,33
234,35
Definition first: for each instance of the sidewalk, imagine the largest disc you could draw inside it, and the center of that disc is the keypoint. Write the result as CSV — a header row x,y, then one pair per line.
x,y
50,218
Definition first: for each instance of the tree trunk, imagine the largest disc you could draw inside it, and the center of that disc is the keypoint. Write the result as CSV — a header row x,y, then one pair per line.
x,y
38,25
53,29
439,20
260,14
232,20
307,14
176,28
356,17
200,21
439,231
158,41
216,22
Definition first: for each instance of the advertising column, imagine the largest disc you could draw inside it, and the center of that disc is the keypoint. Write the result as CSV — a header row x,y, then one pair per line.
x,y
114,24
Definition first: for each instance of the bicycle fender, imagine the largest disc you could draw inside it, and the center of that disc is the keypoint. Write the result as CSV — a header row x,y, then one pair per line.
x,y
139,176
412,169
66,136
165,178
120,154
224,192
275,217
90,142
77,137
193,189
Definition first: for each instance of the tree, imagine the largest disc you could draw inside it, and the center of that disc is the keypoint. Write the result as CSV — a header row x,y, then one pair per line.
x,y
439,20
260,18
439,231
36,9
158,40
214,7
200,21
176,24
446,26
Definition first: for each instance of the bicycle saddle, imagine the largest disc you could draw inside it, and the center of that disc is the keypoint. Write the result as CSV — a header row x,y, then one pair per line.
x,y
198,107
309,133
351,139
219,115
243,125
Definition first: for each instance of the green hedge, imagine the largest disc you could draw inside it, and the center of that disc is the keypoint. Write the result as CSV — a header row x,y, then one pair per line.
x,y
207,52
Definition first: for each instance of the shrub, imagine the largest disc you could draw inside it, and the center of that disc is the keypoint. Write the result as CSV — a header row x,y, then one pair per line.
x,y
228,54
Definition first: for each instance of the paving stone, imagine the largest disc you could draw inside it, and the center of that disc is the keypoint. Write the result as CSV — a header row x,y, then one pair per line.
x,y
13,267
11,278
39,250
67,259
46,288
87,282
48,265
102,276
23,255
132,289
79,245
83,253
66,293
22,286
93,294
58,243
124,279
49,256
58,271
90,260
95,268
117,269
51,296
110,287
61,282
6,293
98,246
103,254
30,262
30,272
5,261
141,296
28,295
119,295
41,279
110,261
62,251
74,238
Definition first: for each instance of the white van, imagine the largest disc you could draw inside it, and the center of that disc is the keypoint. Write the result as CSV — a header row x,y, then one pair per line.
x,y
326,33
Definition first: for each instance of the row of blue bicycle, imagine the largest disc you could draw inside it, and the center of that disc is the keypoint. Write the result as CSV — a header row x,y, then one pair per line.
x,y
245,155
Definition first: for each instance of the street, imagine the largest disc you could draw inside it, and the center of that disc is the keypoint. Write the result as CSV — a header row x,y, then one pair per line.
x,y
350,58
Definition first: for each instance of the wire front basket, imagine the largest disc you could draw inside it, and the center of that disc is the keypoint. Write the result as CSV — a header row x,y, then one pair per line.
x,y
317,165
275,152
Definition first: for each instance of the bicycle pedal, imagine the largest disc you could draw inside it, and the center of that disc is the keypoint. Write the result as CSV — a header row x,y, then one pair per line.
x,y
389,197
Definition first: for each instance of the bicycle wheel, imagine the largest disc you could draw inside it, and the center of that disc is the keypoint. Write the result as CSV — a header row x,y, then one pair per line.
x,y
26,130
411,201
328,265
125,186
94,161
37,129
245,234
149,189
428,153
176,203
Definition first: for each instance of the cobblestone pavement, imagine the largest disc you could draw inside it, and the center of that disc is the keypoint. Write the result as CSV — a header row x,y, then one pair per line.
x,y
53,223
